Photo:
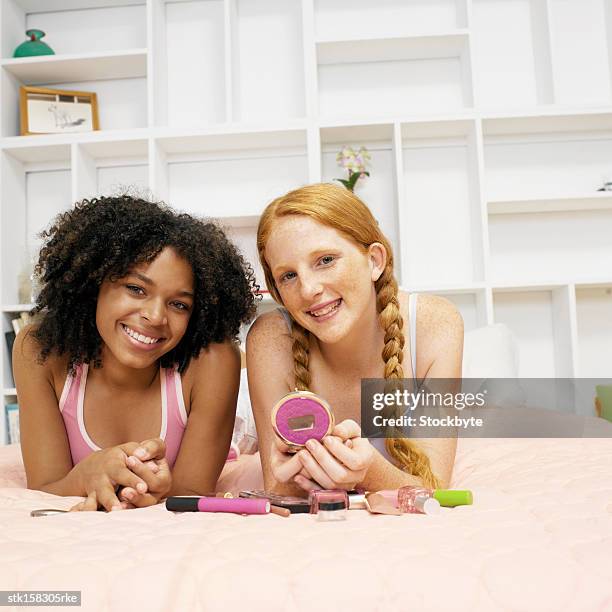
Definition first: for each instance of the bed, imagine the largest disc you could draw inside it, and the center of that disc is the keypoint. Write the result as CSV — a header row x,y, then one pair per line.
x,y
538,537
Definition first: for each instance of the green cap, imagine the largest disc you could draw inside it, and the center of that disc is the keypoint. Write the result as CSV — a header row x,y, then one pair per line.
x,y
450,498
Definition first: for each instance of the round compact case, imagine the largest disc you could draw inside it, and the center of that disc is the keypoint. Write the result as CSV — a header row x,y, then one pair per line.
x,y
301,416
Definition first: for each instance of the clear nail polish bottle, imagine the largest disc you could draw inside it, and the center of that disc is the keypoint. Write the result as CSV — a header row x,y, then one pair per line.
x,y
417,500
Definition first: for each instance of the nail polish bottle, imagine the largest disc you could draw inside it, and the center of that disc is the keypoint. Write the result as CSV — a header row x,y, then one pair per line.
x,y
411,498
417,500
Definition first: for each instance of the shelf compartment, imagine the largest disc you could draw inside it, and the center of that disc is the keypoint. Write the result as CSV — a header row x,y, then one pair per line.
x,y
37,191
122,103
53,69
378,191
594,323
110,169
192,68
267,33
338,19
540,321
75,27
552,246
548,166
591,201
512,57
399,76
214,187
440,210
581,62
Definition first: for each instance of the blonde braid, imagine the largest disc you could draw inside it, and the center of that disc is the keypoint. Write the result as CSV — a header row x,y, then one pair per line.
x,y
301,356
404,451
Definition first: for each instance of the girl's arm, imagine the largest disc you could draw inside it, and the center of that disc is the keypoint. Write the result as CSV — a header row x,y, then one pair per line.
x,y
44,443
214,379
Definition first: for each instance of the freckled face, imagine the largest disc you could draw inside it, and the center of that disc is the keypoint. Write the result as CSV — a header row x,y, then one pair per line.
x,y
145,314
324,279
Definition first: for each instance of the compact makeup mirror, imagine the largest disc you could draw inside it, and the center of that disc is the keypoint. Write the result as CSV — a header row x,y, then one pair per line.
x,y
300,416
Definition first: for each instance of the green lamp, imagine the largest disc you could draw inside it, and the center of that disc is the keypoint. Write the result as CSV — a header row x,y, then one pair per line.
x,y
34,46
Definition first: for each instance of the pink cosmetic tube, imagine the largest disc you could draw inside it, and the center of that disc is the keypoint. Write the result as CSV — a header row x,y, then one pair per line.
x,y
237,505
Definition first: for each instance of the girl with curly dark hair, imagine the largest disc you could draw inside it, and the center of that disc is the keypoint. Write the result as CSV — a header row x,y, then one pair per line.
x,y
140,309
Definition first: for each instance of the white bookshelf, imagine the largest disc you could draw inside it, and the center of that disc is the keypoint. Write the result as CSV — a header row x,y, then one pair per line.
x,y
489,123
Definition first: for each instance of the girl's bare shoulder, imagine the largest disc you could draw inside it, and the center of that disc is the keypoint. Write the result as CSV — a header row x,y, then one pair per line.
x,y
27,356
217,359
437,315
269,353
270,329
28,349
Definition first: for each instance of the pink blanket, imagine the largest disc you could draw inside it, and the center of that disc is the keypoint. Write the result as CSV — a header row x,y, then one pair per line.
x,y
538,537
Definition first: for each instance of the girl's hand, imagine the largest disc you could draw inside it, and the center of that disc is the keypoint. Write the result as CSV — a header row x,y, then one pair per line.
x,y
341,462
285,466
103,471
148,461
143,484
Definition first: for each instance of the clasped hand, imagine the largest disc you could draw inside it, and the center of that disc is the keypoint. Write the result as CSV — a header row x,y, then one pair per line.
x,y
138,473
341,461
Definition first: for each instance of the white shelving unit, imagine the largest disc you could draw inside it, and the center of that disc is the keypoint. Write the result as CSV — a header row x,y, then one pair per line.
x,y
489,123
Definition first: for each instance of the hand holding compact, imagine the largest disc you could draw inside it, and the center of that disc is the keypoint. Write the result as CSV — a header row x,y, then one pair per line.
x,y
341,461
285,465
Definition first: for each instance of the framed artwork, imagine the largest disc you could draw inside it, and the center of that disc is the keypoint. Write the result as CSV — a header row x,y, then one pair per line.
x,y
57,111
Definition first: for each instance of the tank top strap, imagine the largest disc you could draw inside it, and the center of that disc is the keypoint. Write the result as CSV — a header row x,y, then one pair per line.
x,y
287,318
174,414
412,316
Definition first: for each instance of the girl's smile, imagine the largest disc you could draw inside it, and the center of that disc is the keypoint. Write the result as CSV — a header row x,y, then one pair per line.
x,y
142,340
325,311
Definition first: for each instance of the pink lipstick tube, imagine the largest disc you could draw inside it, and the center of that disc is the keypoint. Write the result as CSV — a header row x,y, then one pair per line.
x,y
237,505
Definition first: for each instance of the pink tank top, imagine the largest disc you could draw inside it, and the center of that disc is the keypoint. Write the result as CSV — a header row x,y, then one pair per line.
x,y
173,421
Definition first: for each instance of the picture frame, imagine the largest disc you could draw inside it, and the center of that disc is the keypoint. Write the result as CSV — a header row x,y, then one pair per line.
x,y
57,111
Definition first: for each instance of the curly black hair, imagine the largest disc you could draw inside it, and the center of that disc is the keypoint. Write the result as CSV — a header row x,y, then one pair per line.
x,y
103,238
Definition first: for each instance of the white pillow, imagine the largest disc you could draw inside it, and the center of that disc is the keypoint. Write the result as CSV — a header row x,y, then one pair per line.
x,y
244,438
490,352
491,362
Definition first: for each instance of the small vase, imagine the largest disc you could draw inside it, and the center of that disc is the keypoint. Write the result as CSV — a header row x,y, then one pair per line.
x,y
34,46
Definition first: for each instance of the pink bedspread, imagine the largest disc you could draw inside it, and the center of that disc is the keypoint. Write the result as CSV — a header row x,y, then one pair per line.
x,y
538,537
